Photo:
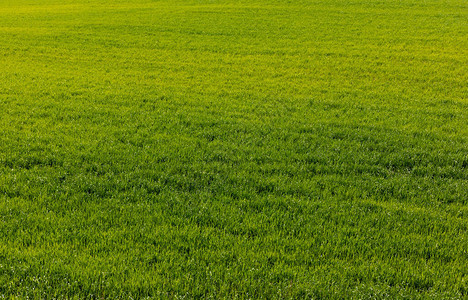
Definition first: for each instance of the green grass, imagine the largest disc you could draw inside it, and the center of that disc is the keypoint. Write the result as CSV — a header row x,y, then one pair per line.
x,y
234,149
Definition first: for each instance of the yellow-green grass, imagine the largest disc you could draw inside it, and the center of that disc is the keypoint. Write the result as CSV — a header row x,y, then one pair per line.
x,y
234,149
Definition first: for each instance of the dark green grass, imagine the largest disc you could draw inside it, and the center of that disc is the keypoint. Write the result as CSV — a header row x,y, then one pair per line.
x,y
234,149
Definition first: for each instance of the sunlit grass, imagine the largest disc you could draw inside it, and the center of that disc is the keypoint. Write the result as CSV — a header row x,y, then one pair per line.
x,y
234,149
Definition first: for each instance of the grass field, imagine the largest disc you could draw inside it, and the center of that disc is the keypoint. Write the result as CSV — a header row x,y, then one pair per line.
x,y
234,149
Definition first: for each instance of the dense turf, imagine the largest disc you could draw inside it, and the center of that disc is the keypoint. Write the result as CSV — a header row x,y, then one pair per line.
x,y
238,149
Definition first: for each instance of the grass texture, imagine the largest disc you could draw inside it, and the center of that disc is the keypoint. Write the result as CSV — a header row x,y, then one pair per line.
x,y
234,149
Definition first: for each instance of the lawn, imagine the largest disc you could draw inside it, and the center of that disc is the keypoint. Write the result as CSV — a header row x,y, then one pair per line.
x,y
259,149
